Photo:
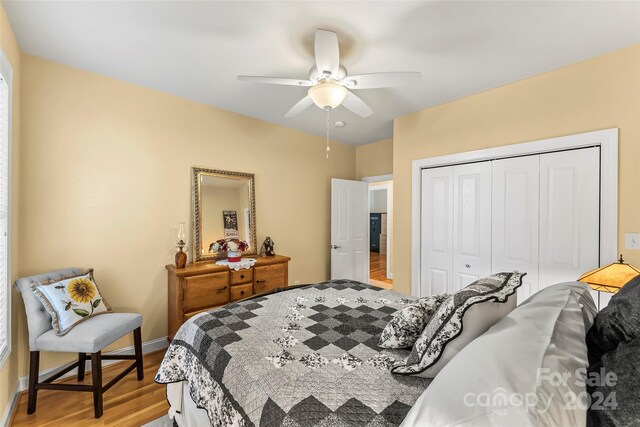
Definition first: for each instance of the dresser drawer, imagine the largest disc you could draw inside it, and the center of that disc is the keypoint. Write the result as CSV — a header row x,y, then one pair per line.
x,y
188,316
206,290
269,277
241,276
241,291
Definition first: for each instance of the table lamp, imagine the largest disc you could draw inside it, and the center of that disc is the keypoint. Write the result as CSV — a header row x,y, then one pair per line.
x,y
610,278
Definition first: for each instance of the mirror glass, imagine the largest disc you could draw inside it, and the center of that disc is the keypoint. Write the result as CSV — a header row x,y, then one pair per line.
x,y
224,208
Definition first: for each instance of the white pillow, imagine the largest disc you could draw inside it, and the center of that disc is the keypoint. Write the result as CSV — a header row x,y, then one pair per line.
x,y
524,371
460,319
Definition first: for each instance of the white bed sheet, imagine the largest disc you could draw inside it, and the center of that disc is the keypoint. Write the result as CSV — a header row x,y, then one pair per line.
x,y
183,409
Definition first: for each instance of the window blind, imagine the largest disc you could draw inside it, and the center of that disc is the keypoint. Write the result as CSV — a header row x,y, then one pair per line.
x,y
4,219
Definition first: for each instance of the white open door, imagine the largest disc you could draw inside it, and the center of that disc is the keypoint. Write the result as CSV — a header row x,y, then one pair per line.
x,y
349,230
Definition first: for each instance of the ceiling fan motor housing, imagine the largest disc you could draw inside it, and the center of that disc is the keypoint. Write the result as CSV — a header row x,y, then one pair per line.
x,y
316,76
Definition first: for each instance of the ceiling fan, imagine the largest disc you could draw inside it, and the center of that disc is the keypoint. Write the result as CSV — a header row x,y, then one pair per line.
x,y
330,85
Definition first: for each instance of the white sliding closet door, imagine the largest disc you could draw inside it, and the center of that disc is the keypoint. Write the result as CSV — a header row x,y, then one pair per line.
x,y
515,207
456,227
569,214
472,223
538,214
437,231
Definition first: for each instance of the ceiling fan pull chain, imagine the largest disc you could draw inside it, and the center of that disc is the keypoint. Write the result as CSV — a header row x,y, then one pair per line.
x,y
328,148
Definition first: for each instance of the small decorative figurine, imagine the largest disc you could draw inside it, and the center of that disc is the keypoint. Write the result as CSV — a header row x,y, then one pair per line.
x,y
267,247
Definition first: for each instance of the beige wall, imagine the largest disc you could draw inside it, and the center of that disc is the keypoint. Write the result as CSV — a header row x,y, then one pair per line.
x,y
378,201
108,180
600,93
10,371
374,159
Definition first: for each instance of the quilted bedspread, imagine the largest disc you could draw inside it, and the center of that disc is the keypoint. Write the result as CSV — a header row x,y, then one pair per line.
x,y
302,357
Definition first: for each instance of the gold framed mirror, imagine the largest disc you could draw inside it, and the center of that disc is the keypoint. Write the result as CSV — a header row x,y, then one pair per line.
x,y
224,206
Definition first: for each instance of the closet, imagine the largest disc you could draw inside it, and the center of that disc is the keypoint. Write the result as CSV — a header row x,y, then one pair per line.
x,y
537,214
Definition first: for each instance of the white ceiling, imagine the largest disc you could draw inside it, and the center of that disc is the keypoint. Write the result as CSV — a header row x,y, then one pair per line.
x,y
195,49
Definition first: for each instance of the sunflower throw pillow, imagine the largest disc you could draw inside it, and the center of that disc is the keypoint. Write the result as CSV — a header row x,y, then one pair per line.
x,y
70,300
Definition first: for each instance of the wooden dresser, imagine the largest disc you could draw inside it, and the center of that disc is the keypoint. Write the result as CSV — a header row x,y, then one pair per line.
x,y
203,286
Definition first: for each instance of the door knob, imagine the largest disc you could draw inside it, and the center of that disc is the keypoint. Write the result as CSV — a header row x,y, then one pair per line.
x,y
335,247
468,265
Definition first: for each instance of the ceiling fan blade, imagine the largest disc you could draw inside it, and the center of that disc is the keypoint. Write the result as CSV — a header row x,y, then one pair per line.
x,y
275,80
357,105
300,106
380,80
327,52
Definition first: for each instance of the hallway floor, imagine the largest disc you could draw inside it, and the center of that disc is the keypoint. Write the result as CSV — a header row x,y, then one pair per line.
x,y
378,271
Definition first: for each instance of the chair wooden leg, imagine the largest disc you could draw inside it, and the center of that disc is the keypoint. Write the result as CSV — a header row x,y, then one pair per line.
x,y
96,375
137,343
82,358
34,371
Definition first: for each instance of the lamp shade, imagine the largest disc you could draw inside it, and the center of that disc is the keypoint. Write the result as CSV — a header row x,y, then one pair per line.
x,y
328,94
611,277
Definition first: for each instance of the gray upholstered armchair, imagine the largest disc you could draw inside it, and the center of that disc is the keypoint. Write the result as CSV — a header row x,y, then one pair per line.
x,y
87,338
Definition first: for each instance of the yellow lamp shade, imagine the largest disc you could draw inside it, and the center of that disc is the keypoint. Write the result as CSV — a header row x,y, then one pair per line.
x,y
611,277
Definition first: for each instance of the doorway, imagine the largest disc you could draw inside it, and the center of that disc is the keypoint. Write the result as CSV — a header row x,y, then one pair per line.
x,y
380,232
349,236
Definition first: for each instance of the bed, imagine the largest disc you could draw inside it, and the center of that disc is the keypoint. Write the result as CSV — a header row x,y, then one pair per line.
x,y
303,356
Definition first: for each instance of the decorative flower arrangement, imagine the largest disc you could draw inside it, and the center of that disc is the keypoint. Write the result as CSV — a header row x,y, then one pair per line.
x,y
233,248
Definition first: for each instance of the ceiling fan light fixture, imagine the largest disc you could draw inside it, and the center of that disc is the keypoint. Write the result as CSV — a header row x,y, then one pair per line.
x,y
328,94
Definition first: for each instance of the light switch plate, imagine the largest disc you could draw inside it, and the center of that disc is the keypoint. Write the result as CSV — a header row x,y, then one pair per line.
x,y
632,241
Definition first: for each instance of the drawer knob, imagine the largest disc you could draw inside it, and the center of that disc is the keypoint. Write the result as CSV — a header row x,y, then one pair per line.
x,y
260,281
242,276
241,292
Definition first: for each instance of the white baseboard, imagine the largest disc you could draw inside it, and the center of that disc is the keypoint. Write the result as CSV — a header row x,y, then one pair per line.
x,y
23,382
11,407
390,276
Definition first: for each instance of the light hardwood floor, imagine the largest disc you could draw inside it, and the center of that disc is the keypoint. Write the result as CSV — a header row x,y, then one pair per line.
x,y
378,271
128,403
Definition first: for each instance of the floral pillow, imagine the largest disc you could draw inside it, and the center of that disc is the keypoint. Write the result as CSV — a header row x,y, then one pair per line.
x,y
70,300
478,307
407,324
